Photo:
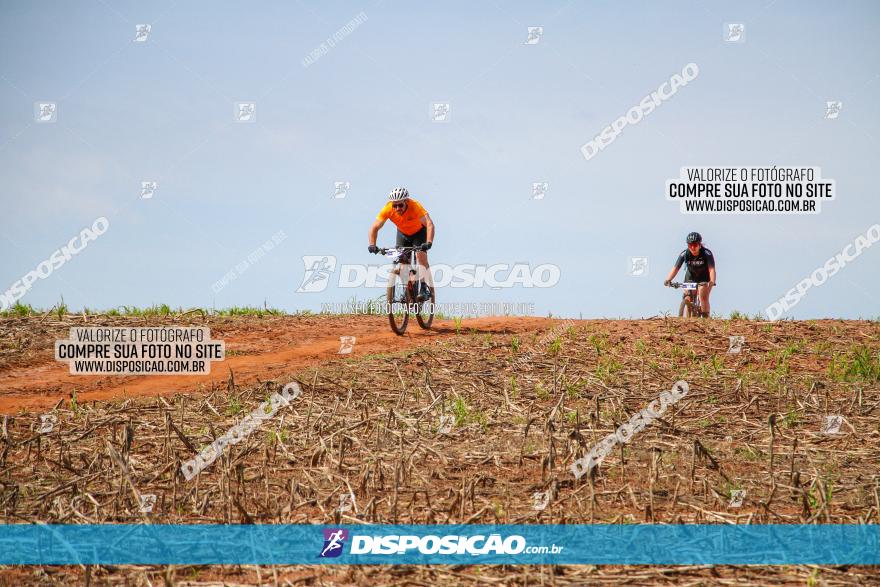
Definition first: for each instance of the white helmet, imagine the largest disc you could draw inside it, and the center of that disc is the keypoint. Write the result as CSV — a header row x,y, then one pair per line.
x,y
398,194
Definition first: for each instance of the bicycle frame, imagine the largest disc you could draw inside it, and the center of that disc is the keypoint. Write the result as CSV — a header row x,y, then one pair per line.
x,y
691,296
397,254
412,295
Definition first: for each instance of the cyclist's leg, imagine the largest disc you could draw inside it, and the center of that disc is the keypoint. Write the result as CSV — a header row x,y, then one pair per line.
x,y
690,294
705,290
401,241
424,267
405,240
419,238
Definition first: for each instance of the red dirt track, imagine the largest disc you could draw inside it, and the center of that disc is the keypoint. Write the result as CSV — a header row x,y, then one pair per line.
x,y
281,346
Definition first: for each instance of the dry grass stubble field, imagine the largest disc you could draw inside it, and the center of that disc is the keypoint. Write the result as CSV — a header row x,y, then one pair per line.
x,y
522,402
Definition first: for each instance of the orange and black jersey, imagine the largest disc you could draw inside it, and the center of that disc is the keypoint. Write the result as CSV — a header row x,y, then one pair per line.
x,y
410,221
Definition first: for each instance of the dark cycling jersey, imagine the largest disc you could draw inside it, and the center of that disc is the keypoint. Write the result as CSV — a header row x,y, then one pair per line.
x,y
697,265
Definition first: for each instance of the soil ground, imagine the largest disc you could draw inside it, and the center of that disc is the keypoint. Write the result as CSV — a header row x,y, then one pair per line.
x,y
461,424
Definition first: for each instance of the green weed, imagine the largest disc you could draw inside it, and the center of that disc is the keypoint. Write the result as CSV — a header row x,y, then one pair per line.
x,y
859,364
790,420
574,390
233,407
748,453
61,309
641,349
18,310
599,342
607,367
541,392
464,414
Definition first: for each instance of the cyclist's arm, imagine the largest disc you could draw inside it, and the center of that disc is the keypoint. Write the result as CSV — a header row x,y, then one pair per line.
x,y
674,271
427,223
710,261
374,231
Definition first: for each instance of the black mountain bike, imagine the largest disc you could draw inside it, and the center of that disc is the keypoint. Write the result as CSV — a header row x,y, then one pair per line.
x,y
407,291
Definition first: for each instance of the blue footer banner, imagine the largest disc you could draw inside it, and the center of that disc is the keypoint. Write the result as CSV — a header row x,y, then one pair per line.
x,y
691,544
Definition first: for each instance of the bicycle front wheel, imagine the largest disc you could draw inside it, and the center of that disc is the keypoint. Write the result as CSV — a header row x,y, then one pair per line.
x,y
424,309
686,309
396,296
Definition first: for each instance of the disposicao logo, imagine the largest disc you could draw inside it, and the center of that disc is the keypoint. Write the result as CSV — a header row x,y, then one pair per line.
x,y
473,545
430,544
334,540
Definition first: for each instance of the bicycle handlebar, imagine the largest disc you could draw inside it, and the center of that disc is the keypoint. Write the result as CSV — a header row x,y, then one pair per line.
x,y
677,284
401,249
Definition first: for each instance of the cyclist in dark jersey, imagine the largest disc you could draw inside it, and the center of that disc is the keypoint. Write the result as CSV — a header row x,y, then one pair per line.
x,y
700,264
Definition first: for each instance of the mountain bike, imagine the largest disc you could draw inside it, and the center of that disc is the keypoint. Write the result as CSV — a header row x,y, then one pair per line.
x,y
407,294
690,301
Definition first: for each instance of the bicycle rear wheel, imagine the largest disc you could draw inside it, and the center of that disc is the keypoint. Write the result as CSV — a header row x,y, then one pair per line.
x,y
424,309
396,295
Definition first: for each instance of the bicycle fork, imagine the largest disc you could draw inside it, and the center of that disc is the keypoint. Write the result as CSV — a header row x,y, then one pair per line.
x,y
696,305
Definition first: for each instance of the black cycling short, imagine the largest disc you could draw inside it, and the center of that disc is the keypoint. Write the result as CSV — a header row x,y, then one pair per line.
x,y
412,240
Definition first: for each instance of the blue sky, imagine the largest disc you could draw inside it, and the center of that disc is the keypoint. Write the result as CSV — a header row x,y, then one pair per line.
x,y
163,110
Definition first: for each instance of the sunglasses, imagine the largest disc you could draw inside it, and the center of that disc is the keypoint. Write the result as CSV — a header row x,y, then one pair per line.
x,y
401,206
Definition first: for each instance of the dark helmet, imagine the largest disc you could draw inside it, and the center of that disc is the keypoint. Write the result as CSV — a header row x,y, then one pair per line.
x,y
694,237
